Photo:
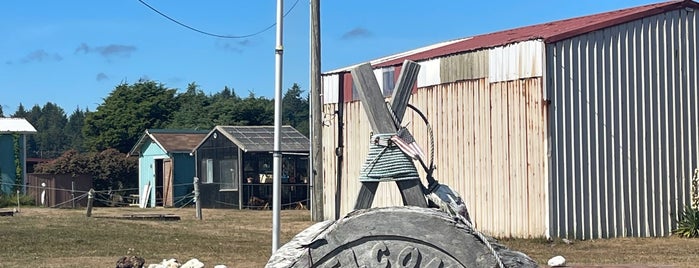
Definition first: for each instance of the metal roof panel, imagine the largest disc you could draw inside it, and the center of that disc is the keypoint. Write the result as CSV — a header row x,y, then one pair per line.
x,y
16,125
548,32
261,138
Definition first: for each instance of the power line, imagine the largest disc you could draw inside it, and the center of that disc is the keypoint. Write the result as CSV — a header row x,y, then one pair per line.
x,y
213,34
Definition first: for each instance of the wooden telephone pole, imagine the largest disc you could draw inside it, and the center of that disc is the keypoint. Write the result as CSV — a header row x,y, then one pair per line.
x,y
316,129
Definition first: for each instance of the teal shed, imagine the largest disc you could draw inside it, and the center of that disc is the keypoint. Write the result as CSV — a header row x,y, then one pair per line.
x,y
166,167
13,155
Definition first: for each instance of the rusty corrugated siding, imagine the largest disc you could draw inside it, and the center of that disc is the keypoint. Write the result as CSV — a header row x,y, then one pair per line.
x,y
516,61
489,141
466,66
624,132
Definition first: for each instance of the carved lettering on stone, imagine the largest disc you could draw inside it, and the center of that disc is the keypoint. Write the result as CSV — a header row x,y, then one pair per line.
x,y
409,257
381,253
389,253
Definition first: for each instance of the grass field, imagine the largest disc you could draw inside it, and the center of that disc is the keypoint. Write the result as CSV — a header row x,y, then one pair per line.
x,y
39,237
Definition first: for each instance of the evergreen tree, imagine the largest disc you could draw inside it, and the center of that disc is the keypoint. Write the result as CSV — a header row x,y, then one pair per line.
x,y
73,129
295,109
192,113
128,110
49,120
21,112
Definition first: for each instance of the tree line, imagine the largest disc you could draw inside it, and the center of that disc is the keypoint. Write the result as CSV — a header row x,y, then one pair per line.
x,y
130,109
94,142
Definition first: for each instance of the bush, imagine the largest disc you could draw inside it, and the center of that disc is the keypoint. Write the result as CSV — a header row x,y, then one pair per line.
x,y
11,200
688,225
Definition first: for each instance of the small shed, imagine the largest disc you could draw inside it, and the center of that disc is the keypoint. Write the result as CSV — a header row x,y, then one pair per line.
x,y
13,144
234,164
59,190
166,165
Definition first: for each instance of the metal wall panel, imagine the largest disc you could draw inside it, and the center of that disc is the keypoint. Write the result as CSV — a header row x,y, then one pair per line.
x,y
466,66
429,73
331,88
623,132
490,147
516,61
378,73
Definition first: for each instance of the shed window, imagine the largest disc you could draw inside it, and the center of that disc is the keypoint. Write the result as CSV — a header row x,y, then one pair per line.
x,y
388,81
229,174
208,167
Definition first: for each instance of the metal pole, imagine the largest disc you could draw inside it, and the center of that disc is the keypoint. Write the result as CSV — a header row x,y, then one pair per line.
x,y
277,178
316,117
197,202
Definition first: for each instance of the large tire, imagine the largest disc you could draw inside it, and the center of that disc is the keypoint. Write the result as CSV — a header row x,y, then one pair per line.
x,y
392,237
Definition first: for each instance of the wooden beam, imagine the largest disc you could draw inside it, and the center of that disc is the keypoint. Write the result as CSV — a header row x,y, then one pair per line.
x,y
381,119
372,100
366,195
404,88
411,192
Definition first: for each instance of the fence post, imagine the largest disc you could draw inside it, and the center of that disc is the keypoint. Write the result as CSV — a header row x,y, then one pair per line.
x,y
72,193
17,200
196,198
90,197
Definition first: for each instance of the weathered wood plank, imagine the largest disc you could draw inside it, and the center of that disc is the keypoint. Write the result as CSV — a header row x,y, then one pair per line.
x,y
411,193
403,88
366,195
372,100
7,213
382,122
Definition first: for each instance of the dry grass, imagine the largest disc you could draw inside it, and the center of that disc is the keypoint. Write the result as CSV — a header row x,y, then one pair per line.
x,y
40,237
665,251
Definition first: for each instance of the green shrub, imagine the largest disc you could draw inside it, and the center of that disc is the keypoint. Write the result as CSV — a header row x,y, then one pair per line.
x,y
688,225
11,200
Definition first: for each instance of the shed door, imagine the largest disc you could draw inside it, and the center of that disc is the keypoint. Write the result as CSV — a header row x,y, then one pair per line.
x,y
167,183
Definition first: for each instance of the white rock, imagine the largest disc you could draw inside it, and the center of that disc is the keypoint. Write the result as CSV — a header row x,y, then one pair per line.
x,y
193,263
171,263
220,266
557,261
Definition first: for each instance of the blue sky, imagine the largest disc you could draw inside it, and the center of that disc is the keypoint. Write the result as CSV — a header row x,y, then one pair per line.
x,y
73,53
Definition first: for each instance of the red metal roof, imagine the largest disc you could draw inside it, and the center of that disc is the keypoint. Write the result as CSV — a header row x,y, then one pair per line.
x,y
549,32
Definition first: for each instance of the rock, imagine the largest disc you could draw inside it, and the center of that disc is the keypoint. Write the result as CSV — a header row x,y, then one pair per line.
x,y
171,263
193,263
568,242
557,261
220,266
394,236
130,262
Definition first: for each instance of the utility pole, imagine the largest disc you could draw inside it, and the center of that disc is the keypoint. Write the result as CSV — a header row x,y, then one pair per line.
x,y
316,107
277,154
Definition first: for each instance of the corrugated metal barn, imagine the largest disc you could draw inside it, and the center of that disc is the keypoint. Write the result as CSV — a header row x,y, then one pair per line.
x,y
581,128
